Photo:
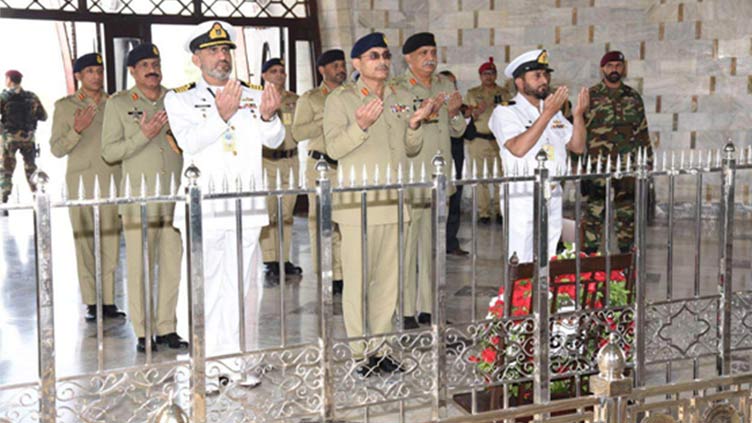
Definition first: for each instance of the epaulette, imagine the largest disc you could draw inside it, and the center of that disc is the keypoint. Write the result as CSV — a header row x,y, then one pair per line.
x,y
252,86
508,103
185,88
345,86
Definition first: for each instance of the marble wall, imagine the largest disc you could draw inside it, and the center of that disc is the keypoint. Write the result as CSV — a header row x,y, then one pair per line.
x,y
691,60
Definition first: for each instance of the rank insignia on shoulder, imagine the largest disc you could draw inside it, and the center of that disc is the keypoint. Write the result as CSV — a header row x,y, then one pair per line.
x,y
81,96
185,87
413,81
508,103
134,96
364,91
252,86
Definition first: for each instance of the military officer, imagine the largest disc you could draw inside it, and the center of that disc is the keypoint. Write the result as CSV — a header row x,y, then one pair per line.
x,y
616,126
77,135
444,122
371,123
481,101
283,159
531,123
20,110
221,124
135,132
308,124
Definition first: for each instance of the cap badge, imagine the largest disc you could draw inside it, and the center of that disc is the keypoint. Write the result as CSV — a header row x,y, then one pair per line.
x,y
217,32
385,42
155,50
99,59
543,58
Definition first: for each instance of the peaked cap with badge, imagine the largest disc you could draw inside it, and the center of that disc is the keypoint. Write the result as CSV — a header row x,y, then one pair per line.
x,y
529,61
141,52
367,42
83,62
209,34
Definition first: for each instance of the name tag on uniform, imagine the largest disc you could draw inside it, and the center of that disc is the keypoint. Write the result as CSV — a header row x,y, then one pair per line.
x,y
287,118
202,106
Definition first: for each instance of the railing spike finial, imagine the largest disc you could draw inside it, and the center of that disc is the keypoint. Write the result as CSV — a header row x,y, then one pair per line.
x,y
376,174
97,190
113,187
81,189
291,178
143,186
411,173
157,185
495,172
127,190
422,172
364,175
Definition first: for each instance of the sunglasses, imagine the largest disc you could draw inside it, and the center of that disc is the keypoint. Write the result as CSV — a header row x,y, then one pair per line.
x,y
374,55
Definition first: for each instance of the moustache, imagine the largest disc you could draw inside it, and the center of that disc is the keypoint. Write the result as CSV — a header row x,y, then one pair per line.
x,y
154,74
614,74
223,62
342,74
429,63
382,67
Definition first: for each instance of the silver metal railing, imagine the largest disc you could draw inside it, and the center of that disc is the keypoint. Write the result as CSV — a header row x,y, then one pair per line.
x,y
316,377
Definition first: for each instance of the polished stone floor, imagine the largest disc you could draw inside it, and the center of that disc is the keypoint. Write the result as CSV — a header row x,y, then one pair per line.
x,y
76,340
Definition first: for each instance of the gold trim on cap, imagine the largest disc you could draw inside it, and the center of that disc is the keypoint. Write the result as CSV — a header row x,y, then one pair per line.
x,y
216,43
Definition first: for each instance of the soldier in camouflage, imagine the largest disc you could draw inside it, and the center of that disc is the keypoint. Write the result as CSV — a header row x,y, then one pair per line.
x,y
20,110
616,125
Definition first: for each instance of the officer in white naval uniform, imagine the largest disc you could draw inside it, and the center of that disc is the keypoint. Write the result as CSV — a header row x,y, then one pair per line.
x,y
530,123
221,124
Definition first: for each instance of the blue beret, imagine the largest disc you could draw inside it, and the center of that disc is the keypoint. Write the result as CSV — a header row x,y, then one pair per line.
x,y
367,42
83,62
141,52
417,41
330,56
272,62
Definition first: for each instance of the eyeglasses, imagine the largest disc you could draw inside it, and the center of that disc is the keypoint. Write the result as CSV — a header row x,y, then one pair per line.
x,y
374,55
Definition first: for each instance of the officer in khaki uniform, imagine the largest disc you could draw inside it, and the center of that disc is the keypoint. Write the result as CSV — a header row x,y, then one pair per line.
x,y
308,124
77,135
136,133
482,100
284,160
371,123
444,122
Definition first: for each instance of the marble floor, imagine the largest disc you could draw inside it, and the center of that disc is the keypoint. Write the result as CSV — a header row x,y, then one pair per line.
x,y
76,339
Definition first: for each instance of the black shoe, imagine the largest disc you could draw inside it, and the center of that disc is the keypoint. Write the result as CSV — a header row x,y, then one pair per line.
x,y
173,340
369,367
271,268
484,220
91,313
338,286
112,311
141,346
292,269
409,323
389,365
458,252
424,318
499,220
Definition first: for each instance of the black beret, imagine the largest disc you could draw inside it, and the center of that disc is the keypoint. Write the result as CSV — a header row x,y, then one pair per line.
x,y
141,52
367,42
417,41
83,62
272,62
330,56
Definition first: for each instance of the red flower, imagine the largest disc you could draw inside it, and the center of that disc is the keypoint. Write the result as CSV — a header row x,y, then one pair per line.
x,y
473,359
495,339
488,355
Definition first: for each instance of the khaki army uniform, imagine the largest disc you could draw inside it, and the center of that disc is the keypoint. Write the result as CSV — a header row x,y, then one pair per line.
x,y
282,160
308,123
484,145
437,133
616,125
84,165
123,141
388,142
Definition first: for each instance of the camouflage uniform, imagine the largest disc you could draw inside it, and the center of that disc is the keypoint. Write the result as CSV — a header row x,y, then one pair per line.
x,y
20,111
616,125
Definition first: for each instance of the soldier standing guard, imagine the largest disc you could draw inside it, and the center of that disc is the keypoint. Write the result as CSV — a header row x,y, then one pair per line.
x,y
77,135
308,123
444,122
284,160
20,110
617,126
371,123
135,132
481,101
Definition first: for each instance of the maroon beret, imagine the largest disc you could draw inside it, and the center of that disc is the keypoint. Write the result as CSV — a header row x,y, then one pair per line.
x,y
612,56
13,74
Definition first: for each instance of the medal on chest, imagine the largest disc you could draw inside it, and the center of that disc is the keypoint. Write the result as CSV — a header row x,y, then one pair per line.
x,y
249,104
228,142
549,150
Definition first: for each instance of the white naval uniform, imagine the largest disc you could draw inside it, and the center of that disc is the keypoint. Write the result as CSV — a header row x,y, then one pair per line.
x,y
223,151
507,122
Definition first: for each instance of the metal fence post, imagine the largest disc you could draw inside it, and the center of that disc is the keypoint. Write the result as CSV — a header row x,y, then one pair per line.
x,y
325,257
45,299
541,196
196,294
725,283
641,222
438,320
610,385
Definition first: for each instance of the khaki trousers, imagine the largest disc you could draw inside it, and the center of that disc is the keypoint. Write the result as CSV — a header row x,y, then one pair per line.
x,y
418,262
165,251
479,149
269,241
311,177
381,285
82,221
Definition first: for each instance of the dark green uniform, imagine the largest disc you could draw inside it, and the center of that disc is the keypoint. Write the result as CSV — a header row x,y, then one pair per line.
x,y
616,126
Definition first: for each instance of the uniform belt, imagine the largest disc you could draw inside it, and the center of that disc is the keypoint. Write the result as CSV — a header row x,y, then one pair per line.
x,y
279,154
317,155
489,137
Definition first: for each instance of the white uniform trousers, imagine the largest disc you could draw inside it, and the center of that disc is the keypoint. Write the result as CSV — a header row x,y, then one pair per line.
x,y
520,221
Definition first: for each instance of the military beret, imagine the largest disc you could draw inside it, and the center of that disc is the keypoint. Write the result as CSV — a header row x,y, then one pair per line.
x,y
417,41
330,56
13,74
83,62
210,33
367,42
529,61
141,52
272,62
487,66
612,56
